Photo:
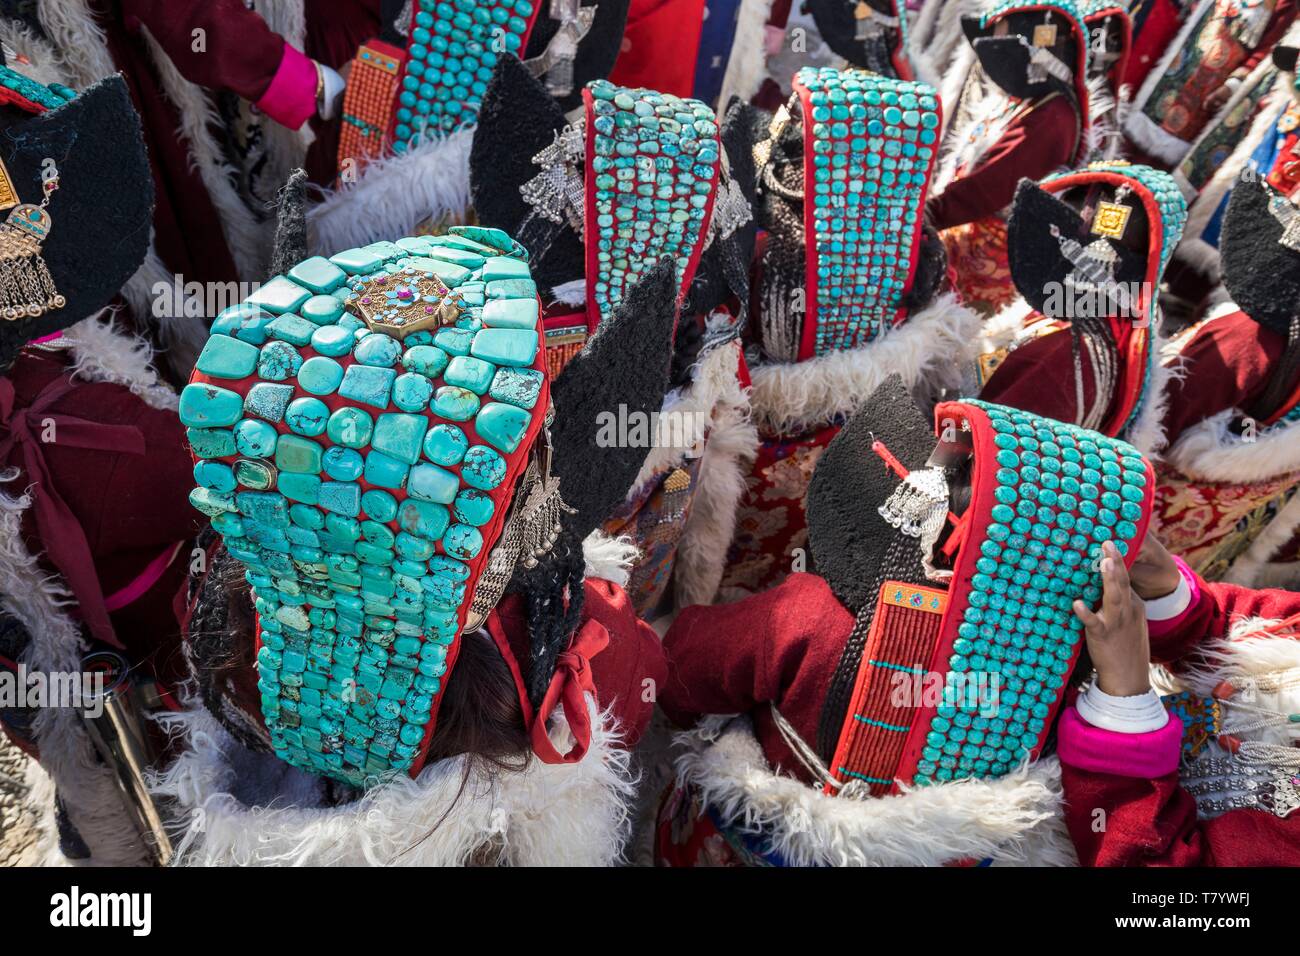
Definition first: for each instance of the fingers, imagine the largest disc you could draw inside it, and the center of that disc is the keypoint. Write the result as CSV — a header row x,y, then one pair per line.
x,y
1087,618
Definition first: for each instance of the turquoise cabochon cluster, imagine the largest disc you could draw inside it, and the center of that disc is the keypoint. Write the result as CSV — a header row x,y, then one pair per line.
x,y
653,167
454,46
1072,11
1058,492
362,477
870,144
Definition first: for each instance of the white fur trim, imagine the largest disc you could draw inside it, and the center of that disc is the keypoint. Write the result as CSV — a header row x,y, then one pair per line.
x,y
570,293
39,601
396,194
609,558
747,61
250,809
1248,568
933,345
1209,451
702,551
1275,574
100,353
1015,819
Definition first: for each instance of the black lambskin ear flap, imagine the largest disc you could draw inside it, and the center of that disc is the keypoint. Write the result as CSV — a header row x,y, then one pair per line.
x,y
597,51
838,26
290,224
100,216
971,27
623,367
518,120
724,266
1284,57
1261,274
1006,62
846,533
1037,266
931,265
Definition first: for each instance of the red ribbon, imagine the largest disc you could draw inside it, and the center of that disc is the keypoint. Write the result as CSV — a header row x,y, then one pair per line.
x,y
570,684
60,532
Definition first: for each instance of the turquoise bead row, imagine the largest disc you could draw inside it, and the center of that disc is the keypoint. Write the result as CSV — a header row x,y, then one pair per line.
x,y
655,160
1061,491
342,473
1066,8
51,97
872,143
454,46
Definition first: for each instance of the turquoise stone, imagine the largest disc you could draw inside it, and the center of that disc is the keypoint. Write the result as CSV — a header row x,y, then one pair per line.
x,y
297,487
265,508
278,361
462,541
293,329
427,360
211,442
483,468
455,403
445,444
357,261
214,475
460,257
307,416
368,384
384,249
424,519
514,347
332,340
245,322
267,400
431,483
451,274
446,567
399,436
385,471
473,507
224,357
296,454
411,392
278,296
454,341
378,349
412,548
517,386
379,505
254,474
497,239
510,314
350,427
471,373
320,375
415,245
211,406
342,464
321,309
502,425
211,502
341,497
505,267
318,274
512,289
255,439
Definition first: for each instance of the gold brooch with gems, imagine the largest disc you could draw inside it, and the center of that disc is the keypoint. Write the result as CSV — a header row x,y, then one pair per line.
x,y
404,302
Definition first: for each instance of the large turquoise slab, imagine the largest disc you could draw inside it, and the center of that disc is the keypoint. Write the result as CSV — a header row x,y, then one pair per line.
x,y
473,507
211,406
445,444
424,519
511,289
400,435
460,257
368,384
357,261
456,403
307,416
254,438
411,392
318,274
505,267
451,274
279,295
211,442
517,386
343,464
294,453
245,322
350,427
515,347
378,349
215,475
385,471
427,360
510,314
226,357
321,309
471,373
502,426
431,483
279,361
293,329
341,497
454,341
462,541
298,487
332,340
268,400
320,375
483,468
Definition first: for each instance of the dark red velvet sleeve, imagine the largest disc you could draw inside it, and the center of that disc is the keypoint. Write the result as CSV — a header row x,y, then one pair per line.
x,y
1126,821
1039,142
1226,364
239,53
1038,377
780,646
630,670
1218,607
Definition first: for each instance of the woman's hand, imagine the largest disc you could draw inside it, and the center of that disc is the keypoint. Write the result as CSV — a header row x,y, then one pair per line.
x,y
1117,632
1154,574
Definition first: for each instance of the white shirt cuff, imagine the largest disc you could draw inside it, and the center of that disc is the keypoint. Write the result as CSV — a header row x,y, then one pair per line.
x,y
334,86
1172,604
1124,715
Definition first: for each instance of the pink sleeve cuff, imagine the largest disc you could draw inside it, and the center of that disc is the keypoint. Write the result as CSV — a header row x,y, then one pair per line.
x,y
290,99
1149,755
1160,628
